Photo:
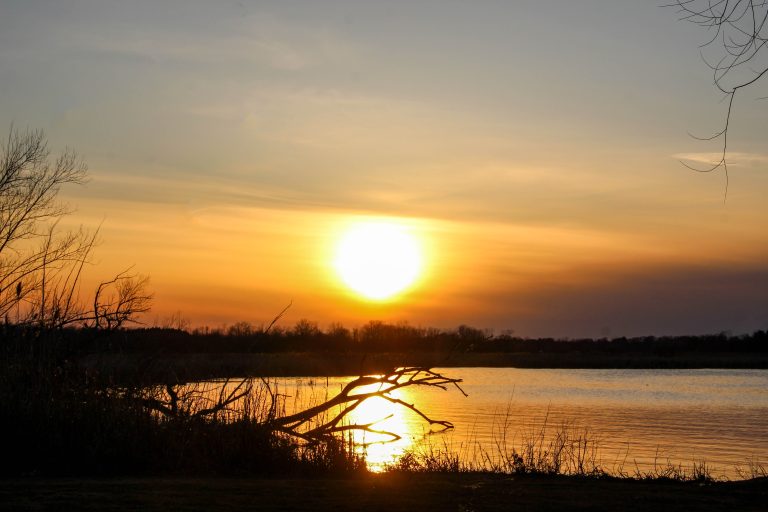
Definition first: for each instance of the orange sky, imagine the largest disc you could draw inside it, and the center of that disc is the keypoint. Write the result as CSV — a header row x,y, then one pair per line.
x,y
533,152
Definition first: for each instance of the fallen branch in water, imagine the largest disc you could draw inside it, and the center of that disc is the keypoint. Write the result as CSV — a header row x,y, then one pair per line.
x,y
316,424
353,395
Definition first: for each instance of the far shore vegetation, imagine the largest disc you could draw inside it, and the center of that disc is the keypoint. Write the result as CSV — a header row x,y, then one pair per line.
x,y
305,349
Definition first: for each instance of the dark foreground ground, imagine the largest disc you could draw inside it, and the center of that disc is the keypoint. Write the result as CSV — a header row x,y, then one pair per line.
x,y
387,492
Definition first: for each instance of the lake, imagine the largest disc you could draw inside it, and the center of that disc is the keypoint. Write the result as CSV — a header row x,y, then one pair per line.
x,y
638,420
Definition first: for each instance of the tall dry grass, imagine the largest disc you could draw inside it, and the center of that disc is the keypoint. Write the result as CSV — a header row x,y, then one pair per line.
x,y
59,419
565,448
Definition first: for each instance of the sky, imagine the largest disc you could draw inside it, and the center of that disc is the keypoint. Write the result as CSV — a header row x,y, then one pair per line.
x,y
533,149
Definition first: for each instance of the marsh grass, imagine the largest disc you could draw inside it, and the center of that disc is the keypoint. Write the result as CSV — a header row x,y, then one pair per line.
x,y
541,448
97,433
752,468
59,419
566,448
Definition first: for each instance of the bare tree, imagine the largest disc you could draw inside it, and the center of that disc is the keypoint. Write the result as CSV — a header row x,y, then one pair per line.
x,y
41,265
735,51
118,301
30,248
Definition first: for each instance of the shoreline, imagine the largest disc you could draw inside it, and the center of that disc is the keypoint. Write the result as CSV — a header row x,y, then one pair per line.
x,y
372,492
325,364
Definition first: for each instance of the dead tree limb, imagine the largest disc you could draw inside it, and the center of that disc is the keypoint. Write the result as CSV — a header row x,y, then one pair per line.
x,y
310,426
316,424
739,42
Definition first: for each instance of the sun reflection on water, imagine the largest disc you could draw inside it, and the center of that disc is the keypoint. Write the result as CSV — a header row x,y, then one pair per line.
x,y
642,416
382,427
390,428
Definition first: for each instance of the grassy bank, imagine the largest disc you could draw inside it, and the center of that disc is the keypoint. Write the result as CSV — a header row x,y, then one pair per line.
x,y
62,419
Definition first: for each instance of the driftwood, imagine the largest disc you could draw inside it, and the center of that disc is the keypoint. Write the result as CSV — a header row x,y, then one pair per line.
x,y
308,425
316,424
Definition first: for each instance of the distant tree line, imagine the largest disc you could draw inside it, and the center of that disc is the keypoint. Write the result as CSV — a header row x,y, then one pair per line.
x,y
379,337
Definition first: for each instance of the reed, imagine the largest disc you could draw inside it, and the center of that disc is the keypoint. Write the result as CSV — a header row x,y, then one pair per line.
x,y
62,420
752,468
566,448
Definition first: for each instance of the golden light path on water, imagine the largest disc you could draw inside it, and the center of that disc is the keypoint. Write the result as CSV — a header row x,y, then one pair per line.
x,y
636,420
383,416
380,448
390,429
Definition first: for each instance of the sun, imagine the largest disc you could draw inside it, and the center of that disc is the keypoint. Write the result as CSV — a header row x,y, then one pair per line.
x,y
378,259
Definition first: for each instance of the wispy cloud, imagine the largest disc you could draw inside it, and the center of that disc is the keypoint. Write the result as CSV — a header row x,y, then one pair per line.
x,y
733,158
166,34
272,51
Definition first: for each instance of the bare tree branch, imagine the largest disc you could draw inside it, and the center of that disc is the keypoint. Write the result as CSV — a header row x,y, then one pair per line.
x,y
29,211
352,396
739,35
315,424
41,266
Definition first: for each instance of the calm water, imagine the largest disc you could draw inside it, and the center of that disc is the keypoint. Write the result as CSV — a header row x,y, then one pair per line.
x,y
639,417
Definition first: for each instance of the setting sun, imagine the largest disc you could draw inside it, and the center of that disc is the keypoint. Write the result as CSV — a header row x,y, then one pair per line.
x,y
378,259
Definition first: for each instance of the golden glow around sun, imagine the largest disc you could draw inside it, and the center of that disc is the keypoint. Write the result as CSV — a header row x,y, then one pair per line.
x,y
378,259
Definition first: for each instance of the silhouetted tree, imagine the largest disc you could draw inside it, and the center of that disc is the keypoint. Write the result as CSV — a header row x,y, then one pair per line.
x,y
41,265
241,329
117,301
305,329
